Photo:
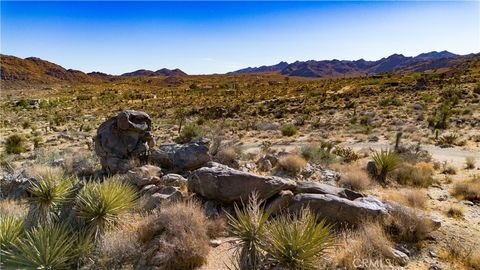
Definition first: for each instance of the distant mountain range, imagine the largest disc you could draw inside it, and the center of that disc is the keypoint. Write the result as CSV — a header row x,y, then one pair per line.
x,y
18,72
336,68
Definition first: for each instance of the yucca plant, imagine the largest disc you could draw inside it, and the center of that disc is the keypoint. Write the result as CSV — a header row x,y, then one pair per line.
x,y
48,246
248,226
296,241
385,162
100,204
11,228
47,195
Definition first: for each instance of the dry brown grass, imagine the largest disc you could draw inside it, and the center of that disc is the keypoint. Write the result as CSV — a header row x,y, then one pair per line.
x,y
178,235
117,249
470,163
418,175
369,243
291,164
408,225
415,198
461,256
467,190
355,178
455,211
41,171
15,208
81,163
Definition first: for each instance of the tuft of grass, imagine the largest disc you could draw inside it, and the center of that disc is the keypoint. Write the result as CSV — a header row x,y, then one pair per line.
x,y
11,228
248,226
418,175
415,198
49,246
99,205
15,144
296,241
288,130
460,256
291,164
408,225
470,163
455,211
317,153
356,179
467,190
385,162
47,195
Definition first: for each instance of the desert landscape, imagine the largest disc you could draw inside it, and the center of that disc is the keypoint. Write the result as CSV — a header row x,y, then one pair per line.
x,y
328,164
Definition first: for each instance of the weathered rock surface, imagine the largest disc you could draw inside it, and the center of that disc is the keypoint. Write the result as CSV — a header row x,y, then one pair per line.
x,y
335,209
123,137
280,202
402,210
181,157
144,175
166,194
319,188
224,184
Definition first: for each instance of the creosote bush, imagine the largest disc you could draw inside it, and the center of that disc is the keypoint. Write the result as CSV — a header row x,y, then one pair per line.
x,y
15,144
189,133
288,130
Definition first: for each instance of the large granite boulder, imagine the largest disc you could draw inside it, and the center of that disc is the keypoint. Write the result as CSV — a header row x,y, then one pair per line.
x,y
340,210
181,157
221,183
123,137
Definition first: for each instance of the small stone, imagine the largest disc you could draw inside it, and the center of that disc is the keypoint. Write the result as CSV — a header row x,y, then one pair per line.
x,y
215,242
434,267
433,254
469,203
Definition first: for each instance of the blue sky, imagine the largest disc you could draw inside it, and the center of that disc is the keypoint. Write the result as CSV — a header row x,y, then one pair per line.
x,y
217,37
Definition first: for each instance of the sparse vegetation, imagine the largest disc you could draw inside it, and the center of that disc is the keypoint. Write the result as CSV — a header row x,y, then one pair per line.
x,y
15,144
291,164
288,130
385,162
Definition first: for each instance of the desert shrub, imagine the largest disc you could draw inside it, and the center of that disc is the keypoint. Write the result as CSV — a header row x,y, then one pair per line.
x,y
10,207
15,144
227,156
291,164
346,153
416,198
385,162
288,130
49,246
467,190
248,226
117,248
369,242
318,152
470,163
418,175
448,139
356,179
11,228
408,225
47,195
189,133
448,168
455,211
391,101
26,124
37,142
99,205
81,163
440,119
460,255
180,228
296,241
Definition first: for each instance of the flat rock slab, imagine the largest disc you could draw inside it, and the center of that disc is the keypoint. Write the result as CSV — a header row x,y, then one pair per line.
x,y
227,185
319,188
340,210
181,157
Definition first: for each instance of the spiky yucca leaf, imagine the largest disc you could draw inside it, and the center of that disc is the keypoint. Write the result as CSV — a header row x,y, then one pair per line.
x,y
48,246
248,226
11,228
47,195
296,242
385,162
100,204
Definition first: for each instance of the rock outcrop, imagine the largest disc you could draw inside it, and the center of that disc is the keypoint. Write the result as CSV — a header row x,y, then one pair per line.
x,y
221,183
181,157
123,137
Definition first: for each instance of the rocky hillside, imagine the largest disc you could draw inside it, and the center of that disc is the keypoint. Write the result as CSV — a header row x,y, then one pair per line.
x,y
161,72
338,68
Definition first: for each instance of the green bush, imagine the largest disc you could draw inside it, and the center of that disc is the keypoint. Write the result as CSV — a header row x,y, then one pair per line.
x,y
99,205
189,133
288,130
296,241
15,144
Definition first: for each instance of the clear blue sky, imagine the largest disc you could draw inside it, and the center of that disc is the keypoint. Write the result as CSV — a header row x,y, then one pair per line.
x,y
217,37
